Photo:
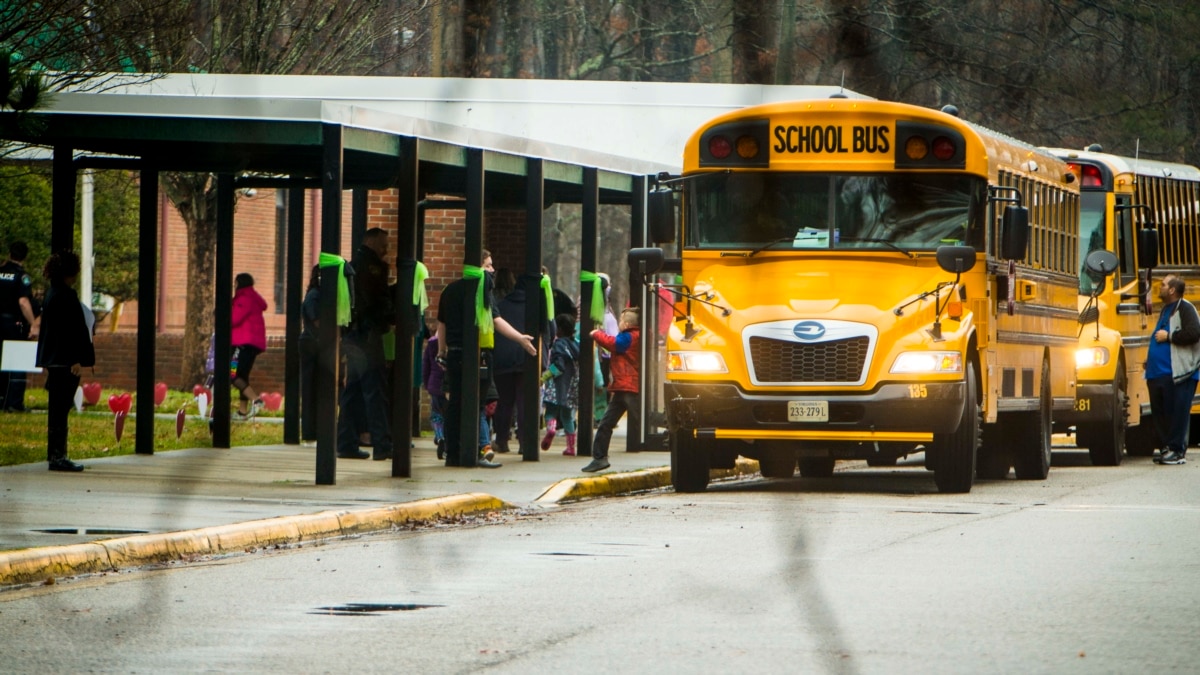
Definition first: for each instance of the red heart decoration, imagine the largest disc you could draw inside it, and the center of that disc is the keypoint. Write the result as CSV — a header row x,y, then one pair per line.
x,y
91,393
273,400
197,389
124,403
114,403
160,393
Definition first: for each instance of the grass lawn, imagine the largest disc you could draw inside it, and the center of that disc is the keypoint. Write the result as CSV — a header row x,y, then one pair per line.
x,y
23,435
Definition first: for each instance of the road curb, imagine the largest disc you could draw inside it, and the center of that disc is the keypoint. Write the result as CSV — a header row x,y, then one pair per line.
x,y
42,564
607,485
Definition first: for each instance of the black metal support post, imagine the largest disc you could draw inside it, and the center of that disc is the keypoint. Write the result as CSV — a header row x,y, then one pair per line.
x,y
407,315
62,201
636,439
329,332
147,304
535,315
294,290
473,249
587,347
222,308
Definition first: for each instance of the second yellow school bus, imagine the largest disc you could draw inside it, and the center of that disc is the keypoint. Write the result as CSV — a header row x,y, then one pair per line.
x,y
864,280
1122,200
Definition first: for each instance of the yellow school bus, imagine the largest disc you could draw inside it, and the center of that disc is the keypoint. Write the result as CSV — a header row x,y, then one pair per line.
x,y
864,280
1147,215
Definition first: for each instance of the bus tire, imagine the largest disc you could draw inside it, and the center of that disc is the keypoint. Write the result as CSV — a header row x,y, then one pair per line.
x,y
1141,440
954,470
817,467
1105,441
994,456
777,466
1030,433
689,462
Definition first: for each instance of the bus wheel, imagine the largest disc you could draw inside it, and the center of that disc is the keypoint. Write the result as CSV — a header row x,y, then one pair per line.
x,y
1031,435
689,462
994,456
817,467
1141,440
781,465
954,469
1105,441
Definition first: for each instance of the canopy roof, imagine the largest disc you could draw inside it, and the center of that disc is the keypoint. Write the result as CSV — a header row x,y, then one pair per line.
x,y
256,124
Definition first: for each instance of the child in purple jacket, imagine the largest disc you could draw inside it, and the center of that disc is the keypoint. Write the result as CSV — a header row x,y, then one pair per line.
x,y
431,380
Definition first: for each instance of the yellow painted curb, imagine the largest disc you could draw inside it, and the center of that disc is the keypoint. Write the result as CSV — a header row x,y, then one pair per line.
x,y
38,564
607,485
53,561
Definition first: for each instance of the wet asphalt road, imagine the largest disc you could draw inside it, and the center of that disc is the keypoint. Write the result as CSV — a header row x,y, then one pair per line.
x,y
871,571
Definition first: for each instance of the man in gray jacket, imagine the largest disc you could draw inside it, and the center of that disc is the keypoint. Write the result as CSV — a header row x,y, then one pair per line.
x,y
1172,366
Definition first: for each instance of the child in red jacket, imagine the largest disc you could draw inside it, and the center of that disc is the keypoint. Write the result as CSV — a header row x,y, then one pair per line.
x,y
624,369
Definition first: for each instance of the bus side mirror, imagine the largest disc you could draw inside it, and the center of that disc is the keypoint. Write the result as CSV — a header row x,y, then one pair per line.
x,y
1147,248
1014,233
1100,265
660,216
956,259
645,261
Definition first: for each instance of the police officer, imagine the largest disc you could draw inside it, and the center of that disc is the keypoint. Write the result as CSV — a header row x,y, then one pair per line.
x,y
16,320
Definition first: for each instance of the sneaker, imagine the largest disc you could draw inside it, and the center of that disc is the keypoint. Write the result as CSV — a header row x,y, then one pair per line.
x,y
257,406
241,416
486,453
597,464
65,464
1173,458
488,464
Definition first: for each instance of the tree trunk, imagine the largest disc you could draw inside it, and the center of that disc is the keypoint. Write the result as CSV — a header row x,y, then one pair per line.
x,y
195,195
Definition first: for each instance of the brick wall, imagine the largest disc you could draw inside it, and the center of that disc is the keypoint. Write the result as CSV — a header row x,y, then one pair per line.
x,y
255,246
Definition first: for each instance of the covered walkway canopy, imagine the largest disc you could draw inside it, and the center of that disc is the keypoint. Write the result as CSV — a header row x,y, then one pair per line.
x,y
507,143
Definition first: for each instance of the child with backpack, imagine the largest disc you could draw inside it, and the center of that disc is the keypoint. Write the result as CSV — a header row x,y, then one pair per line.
x,y
560,380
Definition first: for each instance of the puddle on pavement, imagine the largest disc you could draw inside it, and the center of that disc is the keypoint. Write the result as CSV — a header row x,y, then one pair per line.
x,y
368,609
91,530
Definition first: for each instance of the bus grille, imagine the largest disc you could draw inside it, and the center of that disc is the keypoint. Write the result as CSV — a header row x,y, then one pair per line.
x,y
778,361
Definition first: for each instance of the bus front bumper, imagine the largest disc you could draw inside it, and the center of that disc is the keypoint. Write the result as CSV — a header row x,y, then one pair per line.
x,y
1093,403
889,413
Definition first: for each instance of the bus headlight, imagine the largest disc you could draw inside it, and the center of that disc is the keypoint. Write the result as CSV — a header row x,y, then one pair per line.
x,y
1091,357
928,362
696,362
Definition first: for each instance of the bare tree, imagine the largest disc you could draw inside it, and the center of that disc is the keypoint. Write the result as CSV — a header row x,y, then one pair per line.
x,y
266,37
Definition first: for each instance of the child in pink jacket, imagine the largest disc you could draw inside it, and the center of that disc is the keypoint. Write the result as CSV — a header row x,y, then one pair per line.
x,y
248,339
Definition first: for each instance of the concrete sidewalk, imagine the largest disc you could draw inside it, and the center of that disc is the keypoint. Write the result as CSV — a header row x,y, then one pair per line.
x,y
200,501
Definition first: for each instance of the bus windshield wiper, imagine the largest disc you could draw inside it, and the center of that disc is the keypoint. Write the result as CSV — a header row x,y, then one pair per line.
x,y
768,245
885,242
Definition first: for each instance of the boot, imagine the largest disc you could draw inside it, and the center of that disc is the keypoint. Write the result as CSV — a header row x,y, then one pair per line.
x,y
551,426
570,451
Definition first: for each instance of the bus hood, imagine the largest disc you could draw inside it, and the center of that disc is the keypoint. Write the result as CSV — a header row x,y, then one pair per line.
x,y
827,287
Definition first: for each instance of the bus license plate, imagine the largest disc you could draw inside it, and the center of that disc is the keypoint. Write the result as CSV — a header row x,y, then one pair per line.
x,y
808,411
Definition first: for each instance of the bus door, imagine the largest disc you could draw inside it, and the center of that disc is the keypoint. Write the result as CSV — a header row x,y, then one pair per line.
x,y
658,306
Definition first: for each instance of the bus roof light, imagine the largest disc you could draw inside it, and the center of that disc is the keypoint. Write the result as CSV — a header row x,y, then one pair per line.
x,y
747,147
719,147
916,148
943,148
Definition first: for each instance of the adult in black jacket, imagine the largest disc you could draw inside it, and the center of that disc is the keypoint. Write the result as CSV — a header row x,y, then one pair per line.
x,y
64,350
508,363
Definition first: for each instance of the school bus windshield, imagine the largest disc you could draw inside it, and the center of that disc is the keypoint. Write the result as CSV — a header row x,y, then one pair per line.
x,y
840,211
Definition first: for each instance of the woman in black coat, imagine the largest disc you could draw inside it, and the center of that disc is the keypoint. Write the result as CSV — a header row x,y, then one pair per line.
x,y
64,349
